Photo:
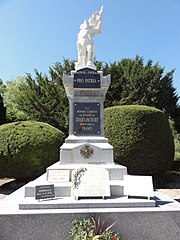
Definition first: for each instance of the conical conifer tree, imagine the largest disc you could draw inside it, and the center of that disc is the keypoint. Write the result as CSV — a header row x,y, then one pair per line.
x,y
2,111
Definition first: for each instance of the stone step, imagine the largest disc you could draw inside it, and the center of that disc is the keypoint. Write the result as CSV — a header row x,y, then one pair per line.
x,y
64,189
69,203
116,172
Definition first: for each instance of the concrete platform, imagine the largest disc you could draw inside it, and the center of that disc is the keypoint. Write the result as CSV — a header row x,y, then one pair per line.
x,y
69,203
140,223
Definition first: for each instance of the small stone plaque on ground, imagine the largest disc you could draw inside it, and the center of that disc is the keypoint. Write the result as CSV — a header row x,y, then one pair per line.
x,y
44,192
58,176
90,182
138,186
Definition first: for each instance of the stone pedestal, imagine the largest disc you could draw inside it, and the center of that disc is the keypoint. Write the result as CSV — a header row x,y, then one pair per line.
x,y
86,90
92,150
86,146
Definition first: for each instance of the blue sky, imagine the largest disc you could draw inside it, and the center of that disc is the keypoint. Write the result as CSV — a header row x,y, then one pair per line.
x,y
38,33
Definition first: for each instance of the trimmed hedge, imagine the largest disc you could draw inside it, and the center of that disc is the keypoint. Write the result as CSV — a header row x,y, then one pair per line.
x,y
27,148
141,138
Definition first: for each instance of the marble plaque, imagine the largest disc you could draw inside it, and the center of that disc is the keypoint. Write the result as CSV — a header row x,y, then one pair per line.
x,y
58,176
86,119
44,191
90,182
138,186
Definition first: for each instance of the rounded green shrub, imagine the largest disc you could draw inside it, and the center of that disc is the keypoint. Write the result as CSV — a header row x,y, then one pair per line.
x,y
141,137
27,148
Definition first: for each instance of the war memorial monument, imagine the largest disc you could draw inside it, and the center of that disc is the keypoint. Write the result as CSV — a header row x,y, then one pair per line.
x,y
86,181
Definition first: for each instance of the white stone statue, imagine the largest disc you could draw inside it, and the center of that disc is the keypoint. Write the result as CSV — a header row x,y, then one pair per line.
x,y
85,44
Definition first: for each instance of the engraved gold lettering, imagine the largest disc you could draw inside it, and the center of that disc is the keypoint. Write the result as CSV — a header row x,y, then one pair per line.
x,y
87,128
80,80
90,80
86,119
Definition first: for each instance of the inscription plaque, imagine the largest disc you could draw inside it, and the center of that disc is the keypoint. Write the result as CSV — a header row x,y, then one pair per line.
x,y
86,119
58,176
94,182
140,186
44,191
86,78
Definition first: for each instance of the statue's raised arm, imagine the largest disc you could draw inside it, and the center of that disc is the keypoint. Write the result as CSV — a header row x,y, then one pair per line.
x,y
85,44
95,21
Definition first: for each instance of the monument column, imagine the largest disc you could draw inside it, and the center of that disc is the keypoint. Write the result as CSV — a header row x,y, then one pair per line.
x,y
86,89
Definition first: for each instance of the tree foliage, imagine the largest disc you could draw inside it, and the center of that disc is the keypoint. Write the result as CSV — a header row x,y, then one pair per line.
x,y
10,91
134,82
141,137
27,148
43,97
2,108
2,111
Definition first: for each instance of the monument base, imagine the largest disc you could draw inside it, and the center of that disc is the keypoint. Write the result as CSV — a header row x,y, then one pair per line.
x,y
61,176
92,150
121,186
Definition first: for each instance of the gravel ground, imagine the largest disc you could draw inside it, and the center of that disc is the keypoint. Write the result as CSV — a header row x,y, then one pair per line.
x,y
172,193
9,185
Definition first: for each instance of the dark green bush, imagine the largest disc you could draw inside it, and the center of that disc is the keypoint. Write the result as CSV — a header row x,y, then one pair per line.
x,y
141,138
27,148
